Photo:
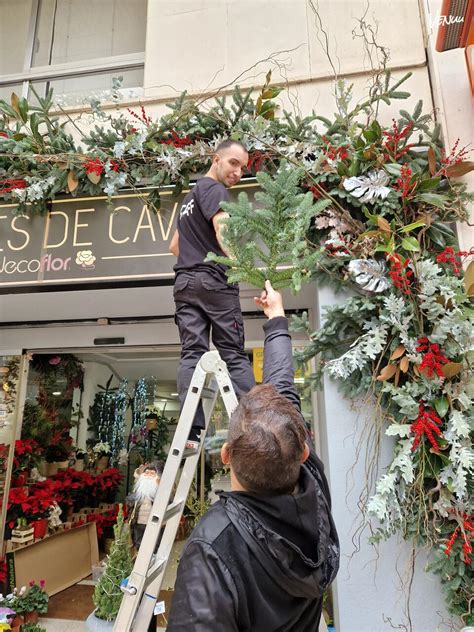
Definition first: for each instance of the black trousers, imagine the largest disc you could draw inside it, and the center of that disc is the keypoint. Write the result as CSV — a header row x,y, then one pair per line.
x,y
207,307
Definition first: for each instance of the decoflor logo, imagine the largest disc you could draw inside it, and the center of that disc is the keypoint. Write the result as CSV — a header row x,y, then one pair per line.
x,y
47,263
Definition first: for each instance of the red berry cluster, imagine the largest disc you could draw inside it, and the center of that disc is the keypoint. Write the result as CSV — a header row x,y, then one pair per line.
x,y
432,359
255,161
454,259
177,141
143,118
453,158
400,273
426,424
393,139
467,534
334,153
404,183
94,165
9,185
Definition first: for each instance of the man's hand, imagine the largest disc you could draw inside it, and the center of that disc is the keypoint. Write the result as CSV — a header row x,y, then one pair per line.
x,y
270,301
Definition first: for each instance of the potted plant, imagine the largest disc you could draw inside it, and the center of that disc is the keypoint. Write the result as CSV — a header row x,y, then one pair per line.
x,y
79,460
57,457
34,602
23,532
27,456
32,627
101,452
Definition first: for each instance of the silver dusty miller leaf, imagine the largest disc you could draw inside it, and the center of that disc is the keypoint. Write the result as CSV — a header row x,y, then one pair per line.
x,y
370,274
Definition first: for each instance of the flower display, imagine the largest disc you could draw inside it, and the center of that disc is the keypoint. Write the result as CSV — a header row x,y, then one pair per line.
x,y
353,191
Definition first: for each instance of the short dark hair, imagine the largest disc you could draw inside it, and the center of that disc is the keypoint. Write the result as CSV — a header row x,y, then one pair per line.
x,y
266,441
225,144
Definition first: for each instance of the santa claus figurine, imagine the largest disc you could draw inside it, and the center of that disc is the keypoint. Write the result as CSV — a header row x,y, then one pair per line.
x,y
147,479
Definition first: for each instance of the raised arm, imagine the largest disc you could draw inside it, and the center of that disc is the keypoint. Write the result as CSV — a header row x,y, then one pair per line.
x,y
174,244
278,366
217,222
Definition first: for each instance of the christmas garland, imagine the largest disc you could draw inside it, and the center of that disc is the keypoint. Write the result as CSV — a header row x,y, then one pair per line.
x,y
344,201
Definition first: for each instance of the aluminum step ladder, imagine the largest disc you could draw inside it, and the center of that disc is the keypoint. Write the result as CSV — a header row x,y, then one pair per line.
x,y
144,583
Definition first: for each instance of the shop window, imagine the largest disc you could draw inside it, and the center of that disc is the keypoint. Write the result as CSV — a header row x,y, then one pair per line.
x,y
75,47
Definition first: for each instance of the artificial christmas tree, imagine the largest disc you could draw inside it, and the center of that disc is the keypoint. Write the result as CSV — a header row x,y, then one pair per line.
x,y
107,595
269,242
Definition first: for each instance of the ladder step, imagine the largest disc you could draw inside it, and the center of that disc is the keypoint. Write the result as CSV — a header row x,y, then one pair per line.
x,y
207,392
154,571
173,508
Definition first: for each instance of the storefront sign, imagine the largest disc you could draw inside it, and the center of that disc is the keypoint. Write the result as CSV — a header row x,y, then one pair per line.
x,y
83,240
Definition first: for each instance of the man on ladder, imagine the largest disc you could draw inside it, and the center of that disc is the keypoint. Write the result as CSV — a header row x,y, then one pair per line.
x,y
205,301
262,557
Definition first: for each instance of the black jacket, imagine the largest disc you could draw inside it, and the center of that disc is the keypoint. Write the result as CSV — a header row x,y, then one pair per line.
x,y
261,563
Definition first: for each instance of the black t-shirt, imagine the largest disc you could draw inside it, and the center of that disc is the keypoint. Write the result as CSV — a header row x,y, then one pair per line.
x,y
197,235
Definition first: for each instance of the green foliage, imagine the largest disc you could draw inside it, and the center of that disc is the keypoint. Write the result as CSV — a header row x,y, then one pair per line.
x,y
268,241
334,192
107,594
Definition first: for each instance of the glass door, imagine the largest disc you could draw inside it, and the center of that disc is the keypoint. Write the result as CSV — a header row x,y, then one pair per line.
x,y
13,373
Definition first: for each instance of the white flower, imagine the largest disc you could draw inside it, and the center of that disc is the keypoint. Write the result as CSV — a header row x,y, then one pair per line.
x,y
101,448
368,188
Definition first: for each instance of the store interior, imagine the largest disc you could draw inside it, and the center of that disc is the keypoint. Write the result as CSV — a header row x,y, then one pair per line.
x,y
75,428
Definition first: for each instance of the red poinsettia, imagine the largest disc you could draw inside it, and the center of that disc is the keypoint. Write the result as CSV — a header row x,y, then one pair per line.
x,y
433,359
426,425
26,455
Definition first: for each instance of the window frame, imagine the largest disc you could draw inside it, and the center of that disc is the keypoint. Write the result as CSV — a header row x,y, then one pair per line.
x,y
91,67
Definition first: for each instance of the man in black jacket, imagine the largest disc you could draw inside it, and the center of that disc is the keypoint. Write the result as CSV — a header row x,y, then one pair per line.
x,y
262,557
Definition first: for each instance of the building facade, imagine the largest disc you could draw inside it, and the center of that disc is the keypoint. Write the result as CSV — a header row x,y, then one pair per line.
x,y
161,48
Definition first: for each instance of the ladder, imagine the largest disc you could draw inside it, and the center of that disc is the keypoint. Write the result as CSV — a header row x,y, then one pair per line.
x,y
144,583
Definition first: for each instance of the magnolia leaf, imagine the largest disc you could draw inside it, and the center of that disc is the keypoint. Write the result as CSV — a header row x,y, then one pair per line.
x,y
410,227
432,160
442,406
94,177
410,243
456,171
397,377
387,372
427,185
72,181
451,369
383,225
404,363
435,199
399,351
469,278
15,101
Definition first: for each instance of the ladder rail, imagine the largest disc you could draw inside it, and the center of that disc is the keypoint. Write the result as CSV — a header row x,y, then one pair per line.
x,y
145,581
